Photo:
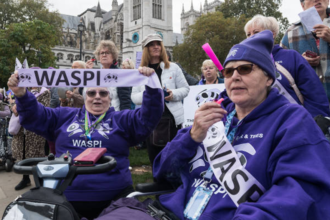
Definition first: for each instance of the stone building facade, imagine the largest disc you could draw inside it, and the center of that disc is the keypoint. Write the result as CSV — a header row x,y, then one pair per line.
x,y
188,18
126,25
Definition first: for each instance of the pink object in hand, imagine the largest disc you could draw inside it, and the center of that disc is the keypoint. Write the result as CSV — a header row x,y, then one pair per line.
x,y
219,101
208,50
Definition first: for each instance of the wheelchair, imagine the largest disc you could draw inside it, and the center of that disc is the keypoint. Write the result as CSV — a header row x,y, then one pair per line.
x,y
52,176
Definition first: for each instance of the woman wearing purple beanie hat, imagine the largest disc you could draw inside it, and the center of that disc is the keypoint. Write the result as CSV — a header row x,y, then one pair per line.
x,y
250,155
271,162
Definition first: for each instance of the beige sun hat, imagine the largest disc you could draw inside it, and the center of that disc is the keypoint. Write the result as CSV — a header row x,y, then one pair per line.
x,y
150,38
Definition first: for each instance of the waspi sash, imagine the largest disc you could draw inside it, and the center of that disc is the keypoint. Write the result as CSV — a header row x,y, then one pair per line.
x,y
240,185
85,78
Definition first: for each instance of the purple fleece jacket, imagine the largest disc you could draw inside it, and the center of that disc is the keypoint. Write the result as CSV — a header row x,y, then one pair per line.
x,y
308,83
291,160
117,132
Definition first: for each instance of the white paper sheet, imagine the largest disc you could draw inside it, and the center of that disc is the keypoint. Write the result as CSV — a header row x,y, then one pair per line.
x,y
310,18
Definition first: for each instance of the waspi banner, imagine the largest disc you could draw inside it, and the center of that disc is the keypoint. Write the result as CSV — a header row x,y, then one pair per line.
x,y
85,78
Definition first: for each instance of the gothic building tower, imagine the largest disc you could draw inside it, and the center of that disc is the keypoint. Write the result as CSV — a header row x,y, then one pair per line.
x,y
143,17
188,18
125,24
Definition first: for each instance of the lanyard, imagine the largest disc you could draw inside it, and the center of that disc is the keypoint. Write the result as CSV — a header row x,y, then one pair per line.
x,y
231,135
89,126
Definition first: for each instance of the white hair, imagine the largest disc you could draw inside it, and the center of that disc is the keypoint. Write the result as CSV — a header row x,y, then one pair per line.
x,y
266,23
80,63
86,89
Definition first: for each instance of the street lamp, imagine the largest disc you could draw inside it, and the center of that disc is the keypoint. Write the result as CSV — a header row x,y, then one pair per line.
x,y
81,28
39,55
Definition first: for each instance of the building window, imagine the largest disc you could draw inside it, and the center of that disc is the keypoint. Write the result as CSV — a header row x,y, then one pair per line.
x,y
70,56
87,58
136,9
60,56
157,9
77,57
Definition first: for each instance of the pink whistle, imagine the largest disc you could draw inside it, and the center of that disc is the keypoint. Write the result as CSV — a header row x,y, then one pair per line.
x,y
219,101
208,50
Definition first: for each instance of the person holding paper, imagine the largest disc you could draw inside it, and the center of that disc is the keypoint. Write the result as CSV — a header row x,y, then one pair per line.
x,y
95,125
305,41
107,54
209,73
314,98
266,161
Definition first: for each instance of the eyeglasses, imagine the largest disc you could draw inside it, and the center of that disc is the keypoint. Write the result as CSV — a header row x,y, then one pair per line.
x,y
104,53
102,93
242,70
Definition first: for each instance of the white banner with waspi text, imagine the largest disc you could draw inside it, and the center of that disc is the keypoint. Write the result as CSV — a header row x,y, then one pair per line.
x,y
85,78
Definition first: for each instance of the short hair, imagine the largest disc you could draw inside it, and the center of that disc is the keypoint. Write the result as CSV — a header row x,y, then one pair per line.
x,y
266,23
145,60
80,63
86,88
110,45
208,63
128,63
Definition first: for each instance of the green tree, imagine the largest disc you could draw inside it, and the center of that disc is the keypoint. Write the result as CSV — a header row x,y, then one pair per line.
x,y
16,40
17,11
213,28
250,8
23,40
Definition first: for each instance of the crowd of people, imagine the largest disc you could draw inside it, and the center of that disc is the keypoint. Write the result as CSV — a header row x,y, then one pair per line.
x,y
255,152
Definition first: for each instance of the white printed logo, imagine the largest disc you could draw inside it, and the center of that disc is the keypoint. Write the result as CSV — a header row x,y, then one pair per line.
x,y
206,96
24,76
109,77
232,53
102,128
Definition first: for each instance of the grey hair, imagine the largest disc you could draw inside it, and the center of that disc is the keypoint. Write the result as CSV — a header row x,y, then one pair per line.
x,y
86,89
110,45
81,63
266,23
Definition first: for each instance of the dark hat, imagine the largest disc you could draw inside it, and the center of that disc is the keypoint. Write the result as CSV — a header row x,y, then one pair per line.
x,y
256,49
150,38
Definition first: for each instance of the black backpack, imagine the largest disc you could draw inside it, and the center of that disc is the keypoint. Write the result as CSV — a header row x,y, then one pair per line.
x,y
41,203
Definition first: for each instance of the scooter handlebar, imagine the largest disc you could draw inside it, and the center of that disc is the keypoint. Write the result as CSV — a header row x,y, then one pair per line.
x,y
25,166
105,163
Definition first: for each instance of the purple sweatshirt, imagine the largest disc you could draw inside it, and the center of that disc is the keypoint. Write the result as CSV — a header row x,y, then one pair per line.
x,y
308,83
117,132
289,156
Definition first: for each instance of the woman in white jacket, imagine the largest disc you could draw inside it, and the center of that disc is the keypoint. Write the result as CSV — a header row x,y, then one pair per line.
x,y
175,87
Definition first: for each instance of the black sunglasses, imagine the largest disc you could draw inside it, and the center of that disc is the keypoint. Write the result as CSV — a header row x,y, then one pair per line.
x,y
242,70
92,93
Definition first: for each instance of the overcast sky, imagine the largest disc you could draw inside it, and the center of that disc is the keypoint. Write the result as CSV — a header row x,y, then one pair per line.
x,y
290,8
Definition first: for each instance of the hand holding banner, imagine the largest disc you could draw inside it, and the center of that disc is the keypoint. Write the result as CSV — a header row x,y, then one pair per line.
x,y
208,50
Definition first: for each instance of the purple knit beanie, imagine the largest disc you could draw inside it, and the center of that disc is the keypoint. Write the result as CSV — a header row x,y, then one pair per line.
x,y
256,49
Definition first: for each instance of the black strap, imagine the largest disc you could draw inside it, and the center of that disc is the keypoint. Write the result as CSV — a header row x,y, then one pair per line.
x,y
35,176
68,179
168,213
